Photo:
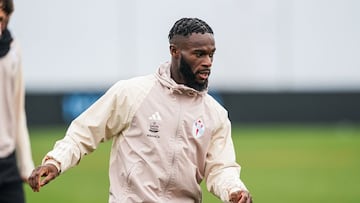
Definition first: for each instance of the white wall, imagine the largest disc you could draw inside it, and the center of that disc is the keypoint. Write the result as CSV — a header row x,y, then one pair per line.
x,y
262,45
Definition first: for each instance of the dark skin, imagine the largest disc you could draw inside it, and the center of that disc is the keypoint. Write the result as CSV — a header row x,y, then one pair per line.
x,y
49,171
4,19
197,50
194,53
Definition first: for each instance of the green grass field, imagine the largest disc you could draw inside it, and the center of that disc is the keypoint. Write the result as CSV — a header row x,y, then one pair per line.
x,y
280,164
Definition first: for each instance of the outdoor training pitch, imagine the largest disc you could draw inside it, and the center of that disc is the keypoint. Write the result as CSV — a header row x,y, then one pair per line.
x,y
280,164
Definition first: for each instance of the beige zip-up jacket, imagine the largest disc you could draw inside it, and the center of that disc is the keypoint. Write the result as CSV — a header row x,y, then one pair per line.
x,y
166,139
14,134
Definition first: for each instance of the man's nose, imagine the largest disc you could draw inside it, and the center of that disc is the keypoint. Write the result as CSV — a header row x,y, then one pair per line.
x,y
207,61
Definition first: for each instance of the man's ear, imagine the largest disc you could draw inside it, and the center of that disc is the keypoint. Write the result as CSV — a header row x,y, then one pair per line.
x,y
174,51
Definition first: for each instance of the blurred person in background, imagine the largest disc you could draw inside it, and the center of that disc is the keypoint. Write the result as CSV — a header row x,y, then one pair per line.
x,y
16,161
168,133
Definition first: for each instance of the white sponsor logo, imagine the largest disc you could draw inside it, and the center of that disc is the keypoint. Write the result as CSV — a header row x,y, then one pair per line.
x,y
155,117
154,124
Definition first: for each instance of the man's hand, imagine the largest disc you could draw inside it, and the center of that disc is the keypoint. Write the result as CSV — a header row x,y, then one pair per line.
x,y
49,171
240,197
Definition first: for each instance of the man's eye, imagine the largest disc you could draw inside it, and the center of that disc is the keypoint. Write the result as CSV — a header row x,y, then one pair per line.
x,y
199,54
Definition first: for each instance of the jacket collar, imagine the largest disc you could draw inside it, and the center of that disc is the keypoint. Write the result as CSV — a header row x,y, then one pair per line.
x,y
164,76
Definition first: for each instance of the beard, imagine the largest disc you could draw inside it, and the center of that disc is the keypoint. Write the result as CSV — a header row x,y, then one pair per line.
x,y
190,77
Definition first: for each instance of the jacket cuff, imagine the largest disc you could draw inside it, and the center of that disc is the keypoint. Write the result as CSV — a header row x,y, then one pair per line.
x,y
51,160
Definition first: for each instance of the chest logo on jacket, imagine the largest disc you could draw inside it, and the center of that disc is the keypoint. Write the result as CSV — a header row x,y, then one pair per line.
x,y
198,128
154,125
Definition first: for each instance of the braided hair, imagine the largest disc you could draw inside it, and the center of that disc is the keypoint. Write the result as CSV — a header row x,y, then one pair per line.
x,y
187,26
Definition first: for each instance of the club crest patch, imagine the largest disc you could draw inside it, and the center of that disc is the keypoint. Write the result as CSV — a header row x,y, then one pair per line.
x,y
198,128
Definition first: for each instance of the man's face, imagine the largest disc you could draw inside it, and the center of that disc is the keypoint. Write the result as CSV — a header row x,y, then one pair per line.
x,y
195,61
191,79
4,19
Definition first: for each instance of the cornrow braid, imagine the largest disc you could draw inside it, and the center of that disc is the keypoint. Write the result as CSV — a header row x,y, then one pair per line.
x,y
187,26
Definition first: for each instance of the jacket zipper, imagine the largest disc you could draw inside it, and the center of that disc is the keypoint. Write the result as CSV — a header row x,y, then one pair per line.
x,y
175,147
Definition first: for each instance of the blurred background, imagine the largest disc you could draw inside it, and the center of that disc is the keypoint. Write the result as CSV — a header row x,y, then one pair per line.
x,y
276,60
282,67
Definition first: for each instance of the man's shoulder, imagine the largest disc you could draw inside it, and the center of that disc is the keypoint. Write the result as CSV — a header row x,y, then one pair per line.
x,y
215,103
135,83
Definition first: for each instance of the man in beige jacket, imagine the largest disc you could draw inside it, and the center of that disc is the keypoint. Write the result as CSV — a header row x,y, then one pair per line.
x,y
168,133
16,161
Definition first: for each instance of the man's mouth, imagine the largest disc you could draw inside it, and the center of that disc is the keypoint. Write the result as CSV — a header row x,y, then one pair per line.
x,y
203,74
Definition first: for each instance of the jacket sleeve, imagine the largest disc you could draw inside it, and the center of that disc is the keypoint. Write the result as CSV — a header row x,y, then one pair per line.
x,y
100,122
222,173
23,148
